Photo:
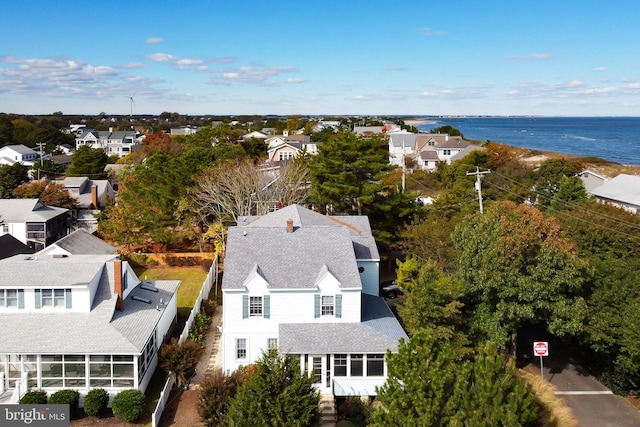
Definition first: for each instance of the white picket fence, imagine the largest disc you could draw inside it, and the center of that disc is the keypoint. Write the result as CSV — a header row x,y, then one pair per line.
x,y
162,402
211,279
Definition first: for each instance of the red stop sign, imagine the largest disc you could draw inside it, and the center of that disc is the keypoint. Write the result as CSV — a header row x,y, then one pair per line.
x,y
541,348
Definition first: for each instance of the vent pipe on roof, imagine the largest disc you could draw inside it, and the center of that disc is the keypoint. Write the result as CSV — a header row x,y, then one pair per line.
x,y
289,225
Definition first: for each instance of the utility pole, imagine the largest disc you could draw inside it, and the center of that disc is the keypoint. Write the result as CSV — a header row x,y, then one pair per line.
x,y
479,176
404,168
40,144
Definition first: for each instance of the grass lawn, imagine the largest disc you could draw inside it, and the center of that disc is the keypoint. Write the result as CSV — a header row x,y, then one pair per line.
x,y
192,280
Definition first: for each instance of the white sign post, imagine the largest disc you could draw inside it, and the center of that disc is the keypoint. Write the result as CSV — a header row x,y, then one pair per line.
x,y
541,348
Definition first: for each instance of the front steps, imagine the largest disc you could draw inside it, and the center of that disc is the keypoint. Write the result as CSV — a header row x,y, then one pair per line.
x,y
328,410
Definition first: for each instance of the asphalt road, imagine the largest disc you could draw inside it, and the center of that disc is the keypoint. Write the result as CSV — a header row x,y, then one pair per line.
x,y
592,404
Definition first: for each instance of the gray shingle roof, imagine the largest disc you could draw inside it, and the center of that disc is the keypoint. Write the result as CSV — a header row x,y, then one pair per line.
x,y
26,210
289,260
623,188
81,242
102,330
378,332
358,226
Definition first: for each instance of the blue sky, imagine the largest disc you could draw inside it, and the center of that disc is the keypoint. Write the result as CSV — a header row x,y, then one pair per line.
x,y
335,57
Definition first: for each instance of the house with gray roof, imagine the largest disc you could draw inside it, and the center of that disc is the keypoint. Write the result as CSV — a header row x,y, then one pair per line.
x,y
80,242
308,284
623,191
112,142
12,154
92,195
32,222
80,322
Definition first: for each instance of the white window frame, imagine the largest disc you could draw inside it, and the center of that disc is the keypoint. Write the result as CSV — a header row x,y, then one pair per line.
x,y
241,349
256,306
272,343
327,308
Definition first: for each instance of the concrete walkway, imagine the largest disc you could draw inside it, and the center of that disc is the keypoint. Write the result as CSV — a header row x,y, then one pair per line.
x,y
211,358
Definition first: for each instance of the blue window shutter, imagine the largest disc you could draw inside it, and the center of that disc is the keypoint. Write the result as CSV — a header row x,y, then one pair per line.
x,y
266,309
67,295
37,301
316,313
245,306
339,306
20,298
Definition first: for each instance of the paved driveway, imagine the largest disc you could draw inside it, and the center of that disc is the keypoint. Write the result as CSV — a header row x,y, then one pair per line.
x,y
592,404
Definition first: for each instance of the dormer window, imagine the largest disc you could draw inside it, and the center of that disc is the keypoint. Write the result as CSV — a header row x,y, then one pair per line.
x,y
255,306
326,308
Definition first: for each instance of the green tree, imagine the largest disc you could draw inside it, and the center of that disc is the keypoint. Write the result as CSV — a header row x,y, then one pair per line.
x,y
10,178
276,393
570,190
346,172
433,300
448,129
548,178
89,162
519,270
430,383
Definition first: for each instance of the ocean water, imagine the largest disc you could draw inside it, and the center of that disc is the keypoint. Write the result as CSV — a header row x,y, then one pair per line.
x,y
616,139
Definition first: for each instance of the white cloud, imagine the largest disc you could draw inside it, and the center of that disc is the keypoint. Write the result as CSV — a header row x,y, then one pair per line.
x,y
531,57
296,80
161,57
599,69
132,65
427,31
261,76
153,40
428,95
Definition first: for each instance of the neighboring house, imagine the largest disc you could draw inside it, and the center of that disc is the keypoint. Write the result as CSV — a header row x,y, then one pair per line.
x,y
80,242
307,284
32,222
66,149
376,130
286,147
91,196
623,191
185,130
591,180
62,160
401,145
112,142
80,322
10,246
255,134
12,154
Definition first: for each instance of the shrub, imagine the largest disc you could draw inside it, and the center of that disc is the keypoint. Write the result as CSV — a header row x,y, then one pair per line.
x,y
345,423
128,405
36,397
357,411
199,328
216,392
96,401
180,359
66,397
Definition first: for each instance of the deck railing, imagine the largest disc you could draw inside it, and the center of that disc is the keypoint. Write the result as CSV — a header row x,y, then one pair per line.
x,y
22,386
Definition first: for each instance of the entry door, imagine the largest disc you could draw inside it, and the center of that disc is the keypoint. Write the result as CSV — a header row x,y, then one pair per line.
x,y
319,369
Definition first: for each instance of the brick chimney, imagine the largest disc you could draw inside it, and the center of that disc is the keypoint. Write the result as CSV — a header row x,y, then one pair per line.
x,y
289,225
94,196
117,283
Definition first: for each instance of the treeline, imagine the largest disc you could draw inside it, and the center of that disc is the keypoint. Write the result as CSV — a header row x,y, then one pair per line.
x,y
543,259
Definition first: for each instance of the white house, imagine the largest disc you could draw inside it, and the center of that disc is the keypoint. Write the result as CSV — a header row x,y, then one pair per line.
x,y
308,284
12,154
623,191
80,322
112,142
32,222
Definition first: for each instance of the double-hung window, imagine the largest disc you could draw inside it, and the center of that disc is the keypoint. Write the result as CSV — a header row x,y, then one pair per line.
x,y
53,298
241,348
256,306
12,298
328,306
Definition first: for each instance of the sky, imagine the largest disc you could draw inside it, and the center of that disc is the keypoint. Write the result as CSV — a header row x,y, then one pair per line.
x,y
335,57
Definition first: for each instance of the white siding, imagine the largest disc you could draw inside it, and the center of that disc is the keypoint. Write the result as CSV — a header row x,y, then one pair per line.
x,y
370,277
